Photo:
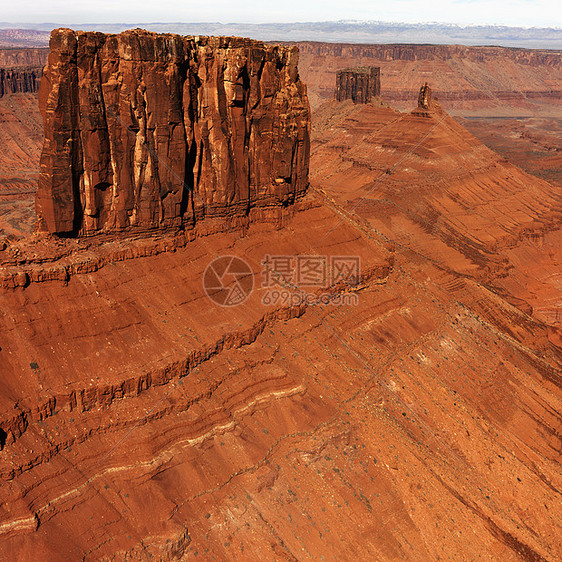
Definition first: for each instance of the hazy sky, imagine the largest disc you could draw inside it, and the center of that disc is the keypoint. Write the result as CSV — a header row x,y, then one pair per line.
x,y
546,13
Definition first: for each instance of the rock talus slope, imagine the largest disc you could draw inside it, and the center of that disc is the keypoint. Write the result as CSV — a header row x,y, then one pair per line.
x,y
147,130
425,181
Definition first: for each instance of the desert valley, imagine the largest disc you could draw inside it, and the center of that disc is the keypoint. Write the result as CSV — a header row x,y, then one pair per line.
x,y
411,411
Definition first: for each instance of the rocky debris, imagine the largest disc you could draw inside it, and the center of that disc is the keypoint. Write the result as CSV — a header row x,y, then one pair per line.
x,y
358,84
157,131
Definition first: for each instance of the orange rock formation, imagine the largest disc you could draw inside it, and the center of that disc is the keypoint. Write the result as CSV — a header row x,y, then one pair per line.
x,y
147,130
138,418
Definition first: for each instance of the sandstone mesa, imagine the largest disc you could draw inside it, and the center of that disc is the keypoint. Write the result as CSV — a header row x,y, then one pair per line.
x,y
147,130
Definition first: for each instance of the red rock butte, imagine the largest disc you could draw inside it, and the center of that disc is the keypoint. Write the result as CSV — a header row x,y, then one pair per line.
x,y
155,131
358,84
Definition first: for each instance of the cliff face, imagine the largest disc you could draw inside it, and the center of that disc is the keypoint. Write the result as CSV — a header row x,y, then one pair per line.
x,y
530,57
147,130
20,80
425,97
23,57
21,70
358,84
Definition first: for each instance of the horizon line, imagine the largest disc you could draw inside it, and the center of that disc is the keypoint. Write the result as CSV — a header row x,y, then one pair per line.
x,y
266,23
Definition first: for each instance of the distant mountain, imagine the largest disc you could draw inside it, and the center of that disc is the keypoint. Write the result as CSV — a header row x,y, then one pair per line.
x,y
23,37
20,34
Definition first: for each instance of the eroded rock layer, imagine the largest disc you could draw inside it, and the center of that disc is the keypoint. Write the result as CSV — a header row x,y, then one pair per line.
x,y
29,56
141,419
148,130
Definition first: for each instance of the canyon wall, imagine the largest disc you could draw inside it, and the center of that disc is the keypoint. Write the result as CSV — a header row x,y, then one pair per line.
x,y
28,56
529,57
155,131
468,80
21,70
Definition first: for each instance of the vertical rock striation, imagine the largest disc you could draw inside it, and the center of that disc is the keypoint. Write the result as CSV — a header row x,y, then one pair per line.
x,y
20,80
158,130
358,84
